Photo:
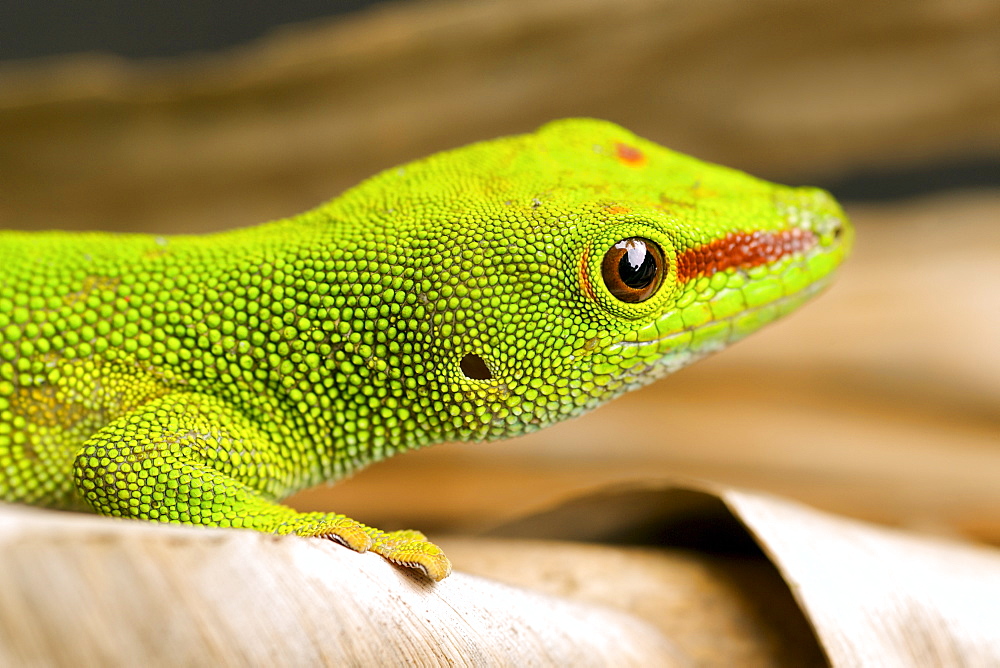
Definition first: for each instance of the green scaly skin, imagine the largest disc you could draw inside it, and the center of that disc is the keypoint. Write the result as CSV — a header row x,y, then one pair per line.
x,y
201,379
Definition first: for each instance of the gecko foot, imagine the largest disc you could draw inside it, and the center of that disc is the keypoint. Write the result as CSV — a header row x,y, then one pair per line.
x,y
413,550
405,548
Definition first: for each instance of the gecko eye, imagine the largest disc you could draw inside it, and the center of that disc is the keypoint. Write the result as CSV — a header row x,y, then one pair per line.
x,y
633,269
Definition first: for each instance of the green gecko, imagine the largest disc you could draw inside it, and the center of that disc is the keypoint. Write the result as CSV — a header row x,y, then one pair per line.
x,y
477,294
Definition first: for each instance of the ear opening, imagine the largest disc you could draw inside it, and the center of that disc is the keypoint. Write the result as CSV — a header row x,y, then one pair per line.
x,y
474,367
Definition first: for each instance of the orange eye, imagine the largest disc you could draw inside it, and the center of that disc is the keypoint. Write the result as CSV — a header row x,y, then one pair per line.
x,y
633,269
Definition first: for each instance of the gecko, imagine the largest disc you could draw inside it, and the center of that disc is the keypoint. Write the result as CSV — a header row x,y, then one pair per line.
x,y
477,294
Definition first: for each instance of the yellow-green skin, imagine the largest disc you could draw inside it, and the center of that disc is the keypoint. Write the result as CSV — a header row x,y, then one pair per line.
x,y
200,379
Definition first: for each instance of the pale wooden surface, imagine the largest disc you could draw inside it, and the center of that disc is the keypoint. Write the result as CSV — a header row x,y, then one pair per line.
x,y
879,597
87,591
874,596
718,610
82,590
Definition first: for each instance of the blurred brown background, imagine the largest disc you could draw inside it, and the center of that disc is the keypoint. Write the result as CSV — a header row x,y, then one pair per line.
x,y
881,400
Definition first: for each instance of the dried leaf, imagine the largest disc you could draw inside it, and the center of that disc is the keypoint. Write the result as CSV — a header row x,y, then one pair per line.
x,y
874,596
81,590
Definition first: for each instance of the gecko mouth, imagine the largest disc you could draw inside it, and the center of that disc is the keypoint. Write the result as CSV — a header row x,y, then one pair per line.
x,y
674,335
635,363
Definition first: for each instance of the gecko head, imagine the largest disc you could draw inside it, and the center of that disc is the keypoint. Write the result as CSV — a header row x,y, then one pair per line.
x,y
547,273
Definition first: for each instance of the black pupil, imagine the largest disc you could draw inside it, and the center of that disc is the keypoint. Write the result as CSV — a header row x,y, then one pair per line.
x,y
637,268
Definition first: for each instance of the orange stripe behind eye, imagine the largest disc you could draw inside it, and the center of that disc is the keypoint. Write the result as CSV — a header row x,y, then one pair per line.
x,y
742,249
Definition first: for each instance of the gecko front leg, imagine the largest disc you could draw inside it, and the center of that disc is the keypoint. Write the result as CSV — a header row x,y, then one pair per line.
x,y
190,458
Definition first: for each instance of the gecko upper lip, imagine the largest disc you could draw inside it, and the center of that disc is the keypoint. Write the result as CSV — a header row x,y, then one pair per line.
x,y
802,294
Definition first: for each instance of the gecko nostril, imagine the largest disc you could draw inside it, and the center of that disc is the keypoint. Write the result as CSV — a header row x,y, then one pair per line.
x,y
474,367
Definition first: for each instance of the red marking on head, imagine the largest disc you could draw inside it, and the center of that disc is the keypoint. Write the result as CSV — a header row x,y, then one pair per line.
x,y
743,250
584,277
630,155
615,208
